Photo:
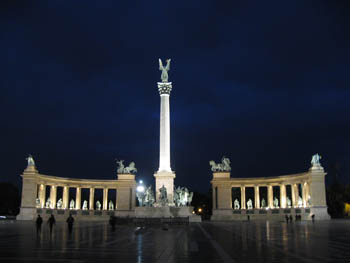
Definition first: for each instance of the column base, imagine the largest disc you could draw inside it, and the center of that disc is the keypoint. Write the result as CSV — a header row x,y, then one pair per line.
x,y
320,212
27,213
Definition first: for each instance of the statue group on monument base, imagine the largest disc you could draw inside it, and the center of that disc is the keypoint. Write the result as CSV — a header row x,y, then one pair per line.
x,y
182,197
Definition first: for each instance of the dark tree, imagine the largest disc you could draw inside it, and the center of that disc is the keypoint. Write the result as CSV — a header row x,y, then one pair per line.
x,y
9,199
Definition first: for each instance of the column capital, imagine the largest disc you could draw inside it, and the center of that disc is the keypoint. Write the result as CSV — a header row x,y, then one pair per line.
x,y
164,88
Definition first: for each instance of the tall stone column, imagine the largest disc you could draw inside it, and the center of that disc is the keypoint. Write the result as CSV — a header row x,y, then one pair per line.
x,y
257,197
105,198
270,196
243,206
78,198
283,199
42,194
53,196
65,197
164,176
91,198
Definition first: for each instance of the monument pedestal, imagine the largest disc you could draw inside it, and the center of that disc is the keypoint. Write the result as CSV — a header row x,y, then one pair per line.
x,y
166,212
167,179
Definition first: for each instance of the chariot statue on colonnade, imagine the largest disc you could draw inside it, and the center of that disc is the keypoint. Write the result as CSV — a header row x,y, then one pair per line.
x,y
126,170
224,166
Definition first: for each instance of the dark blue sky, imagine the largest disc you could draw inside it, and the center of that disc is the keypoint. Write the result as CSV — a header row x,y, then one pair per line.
x,y
265,83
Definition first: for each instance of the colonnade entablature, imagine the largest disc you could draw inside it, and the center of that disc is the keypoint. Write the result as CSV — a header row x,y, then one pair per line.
x,y
40,191
295,191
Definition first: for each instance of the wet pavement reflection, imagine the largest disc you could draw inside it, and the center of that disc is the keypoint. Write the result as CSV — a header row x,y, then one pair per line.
x,y
254,241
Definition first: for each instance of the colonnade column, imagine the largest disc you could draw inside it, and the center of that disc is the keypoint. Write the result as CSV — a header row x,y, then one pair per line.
x,y
270,196
42,195
78,198
303,193
242,197
283,196
257,197
293,195
307,193
53,192
65,197
296,195
105,198
91,198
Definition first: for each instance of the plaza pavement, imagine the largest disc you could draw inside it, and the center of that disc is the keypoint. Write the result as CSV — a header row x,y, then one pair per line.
x,y
255,241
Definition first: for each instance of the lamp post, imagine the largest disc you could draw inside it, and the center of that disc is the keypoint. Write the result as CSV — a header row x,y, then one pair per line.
x,y
140,192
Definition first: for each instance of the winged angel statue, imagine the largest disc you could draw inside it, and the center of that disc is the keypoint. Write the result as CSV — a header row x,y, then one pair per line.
x,y
164,70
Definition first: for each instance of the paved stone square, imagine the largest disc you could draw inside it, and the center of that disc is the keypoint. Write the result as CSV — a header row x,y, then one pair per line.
x,y
258,241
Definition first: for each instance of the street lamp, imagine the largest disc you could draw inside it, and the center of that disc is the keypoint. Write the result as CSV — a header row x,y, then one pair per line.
x,y
140,189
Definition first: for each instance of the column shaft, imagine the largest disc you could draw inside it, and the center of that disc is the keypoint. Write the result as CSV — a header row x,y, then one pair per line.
x,y
42,194
65,197
304,193
164,143
78,198
307,194
293,195
270,196
92,198
105,198
53,196
283,199
257,197
296,192
243,205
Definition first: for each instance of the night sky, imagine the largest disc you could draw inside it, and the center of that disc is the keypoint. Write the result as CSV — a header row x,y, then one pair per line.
x,y
265,83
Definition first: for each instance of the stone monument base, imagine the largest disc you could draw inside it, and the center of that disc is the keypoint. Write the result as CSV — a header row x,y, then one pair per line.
x,y
167,211
27,213
320,213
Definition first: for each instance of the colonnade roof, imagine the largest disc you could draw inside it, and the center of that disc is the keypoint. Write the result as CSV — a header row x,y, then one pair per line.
x,y
77,182
218,178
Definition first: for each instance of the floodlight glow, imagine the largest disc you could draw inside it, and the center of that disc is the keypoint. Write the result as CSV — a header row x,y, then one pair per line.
x,y
140,188
141,182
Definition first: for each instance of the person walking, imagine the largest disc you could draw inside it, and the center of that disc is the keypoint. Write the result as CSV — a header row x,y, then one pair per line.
x,y
51,222
287,219
38,223
70,222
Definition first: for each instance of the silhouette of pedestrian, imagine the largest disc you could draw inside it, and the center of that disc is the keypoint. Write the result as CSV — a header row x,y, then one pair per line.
x,y
287,218
51,222
313,218
290,218
248,218
38,223
70,222
112,222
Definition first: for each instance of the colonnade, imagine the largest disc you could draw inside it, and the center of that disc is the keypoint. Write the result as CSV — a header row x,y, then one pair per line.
x,y
293,192
65,197
282,198
34,193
